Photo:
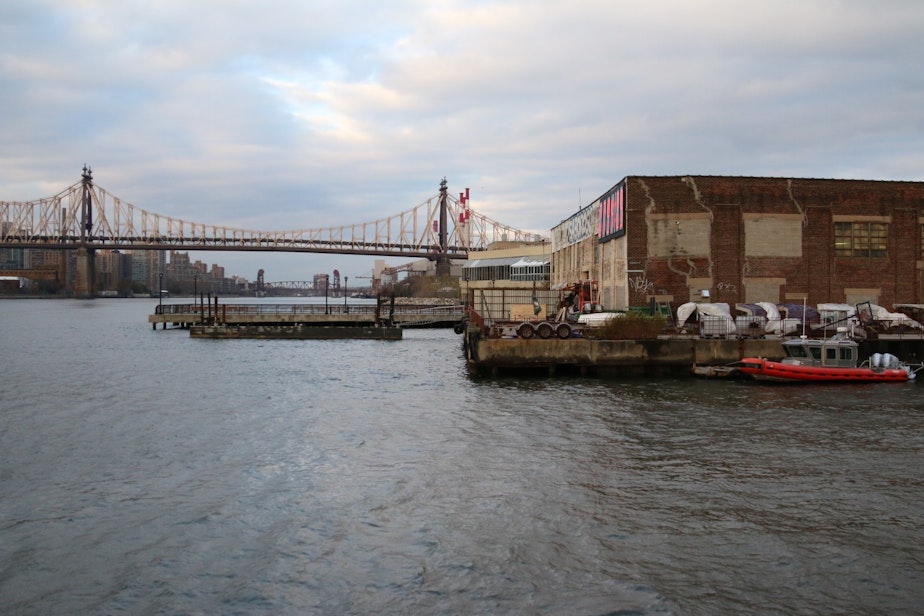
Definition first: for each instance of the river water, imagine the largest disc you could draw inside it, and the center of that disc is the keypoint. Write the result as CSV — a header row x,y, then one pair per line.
x,y
142,472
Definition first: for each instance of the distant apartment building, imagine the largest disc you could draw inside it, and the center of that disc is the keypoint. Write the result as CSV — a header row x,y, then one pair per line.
x,y
185,276
11,258
113,271
146,266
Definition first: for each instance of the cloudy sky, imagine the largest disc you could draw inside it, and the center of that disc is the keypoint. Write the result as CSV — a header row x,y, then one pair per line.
x,y
293,114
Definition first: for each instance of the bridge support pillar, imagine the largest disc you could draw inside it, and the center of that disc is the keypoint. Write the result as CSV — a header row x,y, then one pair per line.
x,y
85,279
443,266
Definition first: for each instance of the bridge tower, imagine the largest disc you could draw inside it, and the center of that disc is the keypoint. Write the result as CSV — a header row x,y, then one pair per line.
x,y
443,266
85,282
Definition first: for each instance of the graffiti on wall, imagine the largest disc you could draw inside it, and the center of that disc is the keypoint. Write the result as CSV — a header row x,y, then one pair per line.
x,y
604,219
578,227
641,284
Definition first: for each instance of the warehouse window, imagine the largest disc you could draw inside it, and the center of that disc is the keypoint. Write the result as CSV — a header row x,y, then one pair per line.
x,y
860,239
530,271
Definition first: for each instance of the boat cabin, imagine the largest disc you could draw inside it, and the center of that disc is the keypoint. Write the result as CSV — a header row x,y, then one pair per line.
x,y
838,351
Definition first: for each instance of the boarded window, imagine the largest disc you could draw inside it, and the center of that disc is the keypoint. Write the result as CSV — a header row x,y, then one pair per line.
x,y
762,289
679,235
768,235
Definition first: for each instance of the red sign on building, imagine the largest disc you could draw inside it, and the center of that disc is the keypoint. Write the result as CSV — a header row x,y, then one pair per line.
x,y
612,214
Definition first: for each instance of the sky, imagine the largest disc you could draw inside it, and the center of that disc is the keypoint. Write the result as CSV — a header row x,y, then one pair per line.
x,y
293,114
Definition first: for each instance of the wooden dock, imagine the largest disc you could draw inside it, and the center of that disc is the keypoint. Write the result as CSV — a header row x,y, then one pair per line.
x,y
304,315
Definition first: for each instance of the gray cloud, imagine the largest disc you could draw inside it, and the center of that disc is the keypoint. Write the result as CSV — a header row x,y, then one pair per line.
x,y
285,115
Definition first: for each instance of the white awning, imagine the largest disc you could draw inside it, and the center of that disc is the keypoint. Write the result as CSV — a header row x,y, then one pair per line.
x,y
532,262
490,262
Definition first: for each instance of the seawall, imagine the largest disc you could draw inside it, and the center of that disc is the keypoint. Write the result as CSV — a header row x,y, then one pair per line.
x,y
674,356
610,357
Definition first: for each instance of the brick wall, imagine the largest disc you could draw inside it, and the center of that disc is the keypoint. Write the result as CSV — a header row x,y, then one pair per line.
x,y
728,201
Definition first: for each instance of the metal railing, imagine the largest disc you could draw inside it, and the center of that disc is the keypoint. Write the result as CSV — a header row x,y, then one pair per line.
x,y
402,313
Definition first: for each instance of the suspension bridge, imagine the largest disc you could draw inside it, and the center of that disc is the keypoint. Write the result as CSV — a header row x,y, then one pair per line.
x,y
86,218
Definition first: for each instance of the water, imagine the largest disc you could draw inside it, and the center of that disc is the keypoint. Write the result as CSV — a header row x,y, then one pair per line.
x,y
146,473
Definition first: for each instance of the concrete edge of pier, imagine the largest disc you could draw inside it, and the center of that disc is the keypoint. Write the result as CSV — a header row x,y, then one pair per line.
x,y
654,357
295,332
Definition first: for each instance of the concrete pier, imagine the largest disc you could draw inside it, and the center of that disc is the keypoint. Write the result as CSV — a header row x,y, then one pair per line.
x,y
669,356
609,357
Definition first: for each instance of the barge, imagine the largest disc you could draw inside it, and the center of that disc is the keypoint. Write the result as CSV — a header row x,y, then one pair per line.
x,y
296,332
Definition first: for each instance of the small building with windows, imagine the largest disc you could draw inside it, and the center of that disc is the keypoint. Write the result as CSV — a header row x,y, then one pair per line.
x,y
527,262
676,239
508,279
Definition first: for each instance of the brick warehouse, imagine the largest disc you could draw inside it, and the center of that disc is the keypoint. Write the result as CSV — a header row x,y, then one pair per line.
x,y
747,239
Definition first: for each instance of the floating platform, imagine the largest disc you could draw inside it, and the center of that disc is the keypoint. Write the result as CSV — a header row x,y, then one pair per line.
x,y
318,315
296,332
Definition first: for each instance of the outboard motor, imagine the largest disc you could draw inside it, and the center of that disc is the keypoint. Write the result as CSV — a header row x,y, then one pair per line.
x,y
890,361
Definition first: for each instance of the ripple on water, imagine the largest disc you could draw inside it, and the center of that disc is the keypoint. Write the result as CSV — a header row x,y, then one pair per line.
x,y
147,472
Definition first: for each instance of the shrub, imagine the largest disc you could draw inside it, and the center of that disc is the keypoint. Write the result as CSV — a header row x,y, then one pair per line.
x,y
630,326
